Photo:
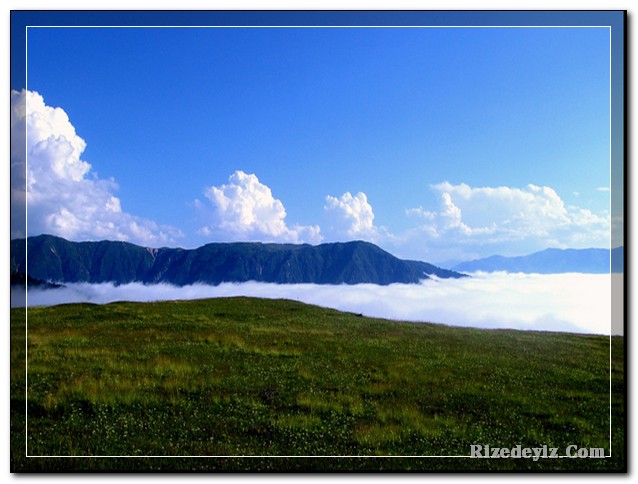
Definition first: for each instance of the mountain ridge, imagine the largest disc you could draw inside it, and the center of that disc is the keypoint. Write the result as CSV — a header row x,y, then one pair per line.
x,y
54,259
550,261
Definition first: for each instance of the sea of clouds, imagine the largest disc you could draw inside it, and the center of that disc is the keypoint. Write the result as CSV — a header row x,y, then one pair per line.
x,y
559,302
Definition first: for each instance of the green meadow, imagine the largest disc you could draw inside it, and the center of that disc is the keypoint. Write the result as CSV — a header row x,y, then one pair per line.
x,y
245,384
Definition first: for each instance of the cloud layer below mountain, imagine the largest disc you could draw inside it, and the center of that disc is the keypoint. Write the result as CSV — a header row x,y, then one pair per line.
x,y
561,302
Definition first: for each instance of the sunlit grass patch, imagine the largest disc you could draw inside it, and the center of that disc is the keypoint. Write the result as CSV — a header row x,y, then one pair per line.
x,y
299,421
330,401
377,435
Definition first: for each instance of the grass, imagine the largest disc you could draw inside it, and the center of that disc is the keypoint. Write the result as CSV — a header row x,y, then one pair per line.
x,y
254,377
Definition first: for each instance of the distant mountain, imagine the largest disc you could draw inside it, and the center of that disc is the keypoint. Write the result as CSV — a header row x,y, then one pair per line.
x,y
549,261
54,259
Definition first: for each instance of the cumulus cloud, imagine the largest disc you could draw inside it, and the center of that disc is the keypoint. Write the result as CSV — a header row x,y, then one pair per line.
x,y
557,302
245,209
63,196
353,217
533,216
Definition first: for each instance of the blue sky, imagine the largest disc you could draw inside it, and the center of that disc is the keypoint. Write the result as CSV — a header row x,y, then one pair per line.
x,y
435,143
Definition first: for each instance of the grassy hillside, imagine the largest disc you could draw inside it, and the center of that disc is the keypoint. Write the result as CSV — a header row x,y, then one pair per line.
x,y
241,376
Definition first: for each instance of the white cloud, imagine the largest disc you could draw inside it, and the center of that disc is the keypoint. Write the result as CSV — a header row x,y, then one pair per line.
x,y
421,213
558,302
62,194
533,217
352,216
603,189
245,209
